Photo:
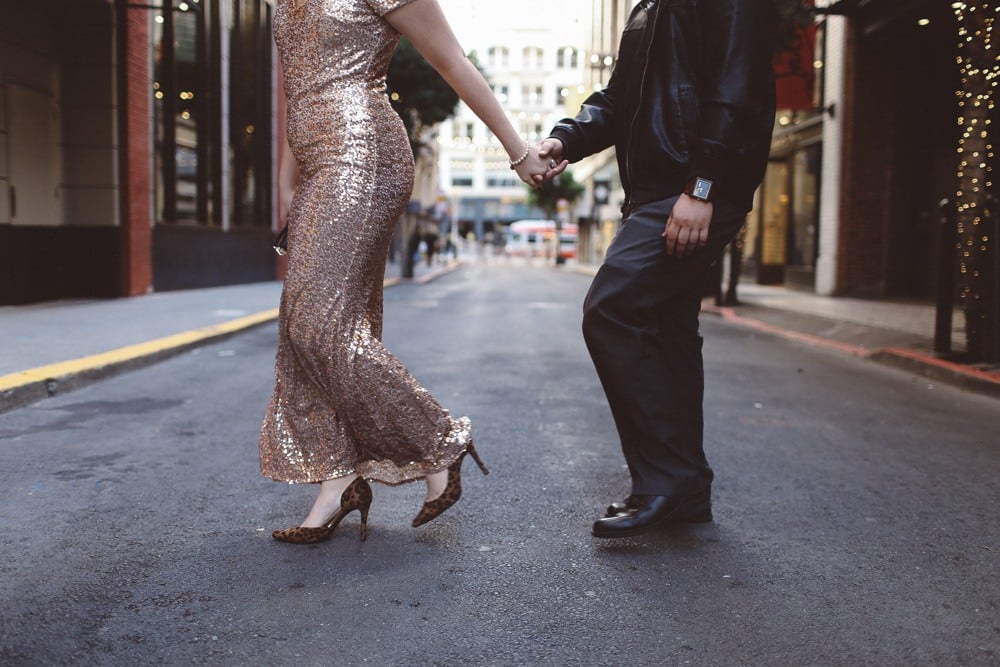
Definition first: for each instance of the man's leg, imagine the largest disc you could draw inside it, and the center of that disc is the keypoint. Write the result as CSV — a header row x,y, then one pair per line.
x,y
641,327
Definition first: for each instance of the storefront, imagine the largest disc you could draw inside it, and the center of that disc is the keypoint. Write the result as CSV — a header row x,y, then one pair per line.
x,y
781,242
900,144
213,158
136,146
58,150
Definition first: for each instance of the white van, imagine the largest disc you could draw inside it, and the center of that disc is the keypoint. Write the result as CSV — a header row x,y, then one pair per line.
x,y
535,238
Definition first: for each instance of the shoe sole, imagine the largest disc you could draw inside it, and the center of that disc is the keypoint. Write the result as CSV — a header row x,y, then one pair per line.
x,y
670,519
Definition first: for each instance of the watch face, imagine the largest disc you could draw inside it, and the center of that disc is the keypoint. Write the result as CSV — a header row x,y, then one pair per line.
x,y
702,187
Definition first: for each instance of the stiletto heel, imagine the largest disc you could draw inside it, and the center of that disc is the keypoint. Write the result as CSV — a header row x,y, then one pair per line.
x,y
357,496
479,461
452,492
364,524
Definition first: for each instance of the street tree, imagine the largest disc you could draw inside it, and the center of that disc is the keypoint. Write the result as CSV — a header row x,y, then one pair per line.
x,y
977,210
422,98
561,188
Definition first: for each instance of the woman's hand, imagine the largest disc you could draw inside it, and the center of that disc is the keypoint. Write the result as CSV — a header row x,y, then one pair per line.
x,y
285,195
288,176
535,169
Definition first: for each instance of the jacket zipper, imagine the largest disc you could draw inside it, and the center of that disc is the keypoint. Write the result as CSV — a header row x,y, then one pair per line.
x,y
638,106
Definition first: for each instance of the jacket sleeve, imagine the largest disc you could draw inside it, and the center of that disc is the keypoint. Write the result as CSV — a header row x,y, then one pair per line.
x,y
594,127
738,49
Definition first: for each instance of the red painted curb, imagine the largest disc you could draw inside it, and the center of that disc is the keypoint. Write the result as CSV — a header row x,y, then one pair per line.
x,y
730,315
993,378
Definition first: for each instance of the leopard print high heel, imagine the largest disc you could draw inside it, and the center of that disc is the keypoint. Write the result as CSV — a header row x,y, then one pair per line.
x,y
357,496
452,492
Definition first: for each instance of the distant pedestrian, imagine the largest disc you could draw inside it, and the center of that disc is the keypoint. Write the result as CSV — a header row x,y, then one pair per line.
x,y
689,109
431,240
344,409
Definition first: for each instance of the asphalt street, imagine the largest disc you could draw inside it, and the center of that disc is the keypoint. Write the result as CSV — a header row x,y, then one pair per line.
x,y
856,512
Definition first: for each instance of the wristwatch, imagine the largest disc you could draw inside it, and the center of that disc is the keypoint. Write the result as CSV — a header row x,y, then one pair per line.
x,y
699,188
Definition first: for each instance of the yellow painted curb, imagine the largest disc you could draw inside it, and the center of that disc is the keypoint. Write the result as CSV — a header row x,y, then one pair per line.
x,y
132,352
26,386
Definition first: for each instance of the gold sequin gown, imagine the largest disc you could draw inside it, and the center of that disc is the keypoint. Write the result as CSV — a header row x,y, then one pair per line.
x,y
342,402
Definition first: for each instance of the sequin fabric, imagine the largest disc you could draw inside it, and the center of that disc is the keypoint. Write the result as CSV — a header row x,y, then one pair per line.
x,y
342,403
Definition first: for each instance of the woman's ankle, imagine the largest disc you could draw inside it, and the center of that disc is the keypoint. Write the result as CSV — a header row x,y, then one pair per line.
x,y
327,501
436,484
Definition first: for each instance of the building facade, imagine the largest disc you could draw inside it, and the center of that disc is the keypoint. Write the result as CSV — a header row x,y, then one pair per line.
x,y
864,151
136,145
850,203
598,212
533,70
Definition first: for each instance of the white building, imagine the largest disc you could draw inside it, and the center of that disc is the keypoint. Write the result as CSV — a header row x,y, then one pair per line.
x,y
533,71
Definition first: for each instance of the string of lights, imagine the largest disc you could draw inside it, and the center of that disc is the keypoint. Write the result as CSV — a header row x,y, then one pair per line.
x,y
979,67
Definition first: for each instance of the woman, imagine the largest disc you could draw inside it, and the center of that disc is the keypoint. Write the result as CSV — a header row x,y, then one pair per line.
x,y
344,408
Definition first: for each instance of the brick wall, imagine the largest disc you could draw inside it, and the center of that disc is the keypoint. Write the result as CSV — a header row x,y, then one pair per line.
x,y
135,133
866,172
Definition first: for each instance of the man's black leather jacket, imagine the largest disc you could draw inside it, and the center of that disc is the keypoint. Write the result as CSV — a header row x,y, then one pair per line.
x,y
692,94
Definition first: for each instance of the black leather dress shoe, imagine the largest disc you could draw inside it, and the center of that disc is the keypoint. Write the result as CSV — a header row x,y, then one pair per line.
x,y
614,509
648,512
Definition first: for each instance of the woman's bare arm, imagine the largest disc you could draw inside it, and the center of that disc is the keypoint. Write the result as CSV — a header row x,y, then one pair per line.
x,y
423,22
288,168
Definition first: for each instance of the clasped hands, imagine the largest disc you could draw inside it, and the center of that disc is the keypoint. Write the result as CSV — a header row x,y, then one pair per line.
x,y
686,228
541,165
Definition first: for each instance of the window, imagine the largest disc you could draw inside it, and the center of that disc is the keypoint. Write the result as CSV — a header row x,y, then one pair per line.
x,y
532,95
566,57
461,181
498,56
534,57
562,92
189,151
501,181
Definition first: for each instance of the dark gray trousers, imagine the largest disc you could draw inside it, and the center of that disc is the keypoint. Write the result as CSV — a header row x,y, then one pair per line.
x,y
640,322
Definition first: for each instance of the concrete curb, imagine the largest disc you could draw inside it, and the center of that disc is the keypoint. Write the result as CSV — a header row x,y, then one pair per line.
x,y
424,279
911,360
32,385
982,382
927,365
730,315
24,387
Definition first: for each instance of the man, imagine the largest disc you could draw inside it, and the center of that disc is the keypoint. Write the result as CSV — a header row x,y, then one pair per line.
x,y
689,109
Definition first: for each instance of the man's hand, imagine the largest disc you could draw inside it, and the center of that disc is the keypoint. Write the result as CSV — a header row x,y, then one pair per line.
x,y
687,226
552,150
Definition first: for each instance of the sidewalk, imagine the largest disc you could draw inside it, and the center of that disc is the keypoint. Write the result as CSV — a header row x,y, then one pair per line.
x,y
55,346
895,333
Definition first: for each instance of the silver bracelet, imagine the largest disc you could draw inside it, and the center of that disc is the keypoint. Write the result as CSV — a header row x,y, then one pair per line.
x,y
527,150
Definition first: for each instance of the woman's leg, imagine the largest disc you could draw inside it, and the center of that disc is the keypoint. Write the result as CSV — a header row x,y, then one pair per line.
x,y
327,501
